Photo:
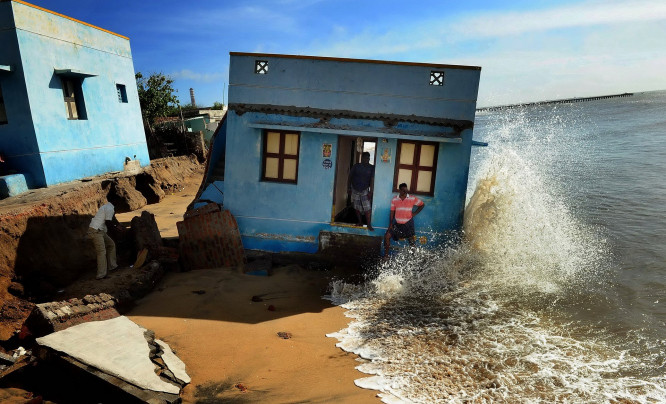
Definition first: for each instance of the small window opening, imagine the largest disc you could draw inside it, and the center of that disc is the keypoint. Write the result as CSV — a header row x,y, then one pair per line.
x,y
261,66
436,78
122,93
73,95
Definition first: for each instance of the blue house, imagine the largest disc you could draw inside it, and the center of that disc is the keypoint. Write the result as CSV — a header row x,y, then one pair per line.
x,y
68,100
296,124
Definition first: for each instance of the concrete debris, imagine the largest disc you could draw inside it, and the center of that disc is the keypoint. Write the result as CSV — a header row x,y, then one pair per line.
x,y
19,362
7,359
174,363
18,352
122,349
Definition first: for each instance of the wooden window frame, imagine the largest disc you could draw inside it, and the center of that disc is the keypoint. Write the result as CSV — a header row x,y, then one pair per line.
x,y
76,99
415,167
281,156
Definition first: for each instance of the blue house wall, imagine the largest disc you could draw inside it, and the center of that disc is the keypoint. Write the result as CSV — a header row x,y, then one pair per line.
x,y
386,101
18,142
68,149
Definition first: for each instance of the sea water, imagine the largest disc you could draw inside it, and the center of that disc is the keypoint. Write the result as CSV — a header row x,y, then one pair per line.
x,y
557,291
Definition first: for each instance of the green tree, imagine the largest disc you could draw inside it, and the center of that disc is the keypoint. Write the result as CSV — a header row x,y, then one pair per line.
x,y
156,96
217,105
189,107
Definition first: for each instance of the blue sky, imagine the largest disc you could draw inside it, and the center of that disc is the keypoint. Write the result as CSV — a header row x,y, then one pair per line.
x,y
528,50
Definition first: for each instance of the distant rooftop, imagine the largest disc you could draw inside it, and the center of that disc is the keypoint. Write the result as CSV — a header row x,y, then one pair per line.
x,y
64,16
333,59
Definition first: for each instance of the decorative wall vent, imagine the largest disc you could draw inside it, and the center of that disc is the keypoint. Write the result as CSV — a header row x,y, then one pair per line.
x,y
436,78
261,66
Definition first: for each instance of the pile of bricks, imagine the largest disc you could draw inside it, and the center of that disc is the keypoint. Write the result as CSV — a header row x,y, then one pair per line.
x,y
56,316
209,238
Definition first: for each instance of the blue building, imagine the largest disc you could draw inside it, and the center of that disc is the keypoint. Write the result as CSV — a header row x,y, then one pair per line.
x,y
296,124
68,100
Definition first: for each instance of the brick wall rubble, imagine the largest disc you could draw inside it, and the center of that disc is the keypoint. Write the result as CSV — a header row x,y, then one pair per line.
x,y
56,316
209,238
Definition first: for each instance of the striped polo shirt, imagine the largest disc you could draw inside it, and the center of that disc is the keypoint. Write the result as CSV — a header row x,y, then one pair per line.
x,y
403,207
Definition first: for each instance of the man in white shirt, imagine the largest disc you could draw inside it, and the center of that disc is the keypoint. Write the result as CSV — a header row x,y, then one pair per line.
x,y
104,245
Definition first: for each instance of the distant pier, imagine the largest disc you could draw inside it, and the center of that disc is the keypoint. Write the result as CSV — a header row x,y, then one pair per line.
x,y
564,101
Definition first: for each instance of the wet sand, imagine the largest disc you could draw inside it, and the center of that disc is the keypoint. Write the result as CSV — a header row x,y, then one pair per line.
x,y
230,344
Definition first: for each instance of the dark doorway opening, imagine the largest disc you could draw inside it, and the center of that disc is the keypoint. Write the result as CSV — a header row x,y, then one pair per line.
x,y
350,150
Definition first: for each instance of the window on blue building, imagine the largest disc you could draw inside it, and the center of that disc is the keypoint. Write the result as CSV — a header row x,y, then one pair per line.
x,y
122,93
3,112
261,66
436,78
280,156
74,106
416,166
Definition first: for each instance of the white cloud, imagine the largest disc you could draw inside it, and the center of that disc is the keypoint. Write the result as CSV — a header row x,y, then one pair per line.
x,y
582,15
577,50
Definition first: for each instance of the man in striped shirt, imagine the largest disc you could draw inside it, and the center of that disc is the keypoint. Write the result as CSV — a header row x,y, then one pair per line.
x,y
401,224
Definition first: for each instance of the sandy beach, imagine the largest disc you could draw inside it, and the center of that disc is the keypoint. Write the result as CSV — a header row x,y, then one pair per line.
x,y
230,343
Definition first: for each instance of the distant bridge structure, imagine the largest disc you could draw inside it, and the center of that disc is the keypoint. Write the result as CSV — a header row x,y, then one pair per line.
x,y
563,101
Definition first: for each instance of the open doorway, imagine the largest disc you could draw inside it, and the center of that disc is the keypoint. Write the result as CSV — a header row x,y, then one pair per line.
x,y
350,150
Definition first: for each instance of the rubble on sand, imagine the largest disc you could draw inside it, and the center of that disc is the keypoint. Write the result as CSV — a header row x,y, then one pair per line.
x,y
121,353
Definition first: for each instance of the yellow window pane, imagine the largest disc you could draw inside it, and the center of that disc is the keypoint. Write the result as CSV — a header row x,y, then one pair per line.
x,y
404,176
407,153
423,182
72,108
271,167
273,142
289,170
291,144
427,155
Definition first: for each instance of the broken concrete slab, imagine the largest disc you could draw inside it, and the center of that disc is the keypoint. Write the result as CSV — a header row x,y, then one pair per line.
x,y
117,347
175,365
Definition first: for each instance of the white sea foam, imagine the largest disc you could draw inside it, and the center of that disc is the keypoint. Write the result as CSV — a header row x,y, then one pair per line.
x,y
466,323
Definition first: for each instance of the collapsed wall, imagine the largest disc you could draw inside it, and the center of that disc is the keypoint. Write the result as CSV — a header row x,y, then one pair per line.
x,y
42,233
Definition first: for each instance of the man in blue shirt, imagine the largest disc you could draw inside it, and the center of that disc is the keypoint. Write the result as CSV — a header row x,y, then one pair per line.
x,y
360,181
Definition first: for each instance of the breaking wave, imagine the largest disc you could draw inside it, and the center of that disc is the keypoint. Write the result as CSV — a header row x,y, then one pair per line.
x,y
485,319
